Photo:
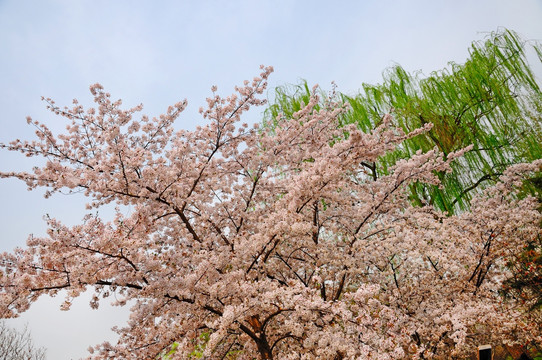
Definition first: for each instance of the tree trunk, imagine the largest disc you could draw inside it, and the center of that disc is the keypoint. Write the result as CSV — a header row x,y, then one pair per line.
x,y
264,348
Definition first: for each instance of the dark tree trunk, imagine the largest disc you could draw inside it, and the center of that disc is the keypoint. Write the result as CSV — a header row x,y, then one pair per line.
x,y
264,348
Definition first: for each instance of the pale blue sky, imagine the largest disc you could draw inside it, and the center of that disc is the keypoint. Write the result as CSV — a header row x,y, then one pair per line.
x,y
158,52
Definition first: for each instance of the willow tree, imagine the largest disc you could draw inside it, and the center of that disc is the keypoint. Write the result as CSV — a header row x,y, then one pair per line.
x,y
492,101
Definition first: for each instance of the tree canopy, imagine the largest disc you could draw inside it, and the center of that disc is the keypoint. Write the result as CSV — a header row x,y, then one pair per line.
x,y
491,101
277,242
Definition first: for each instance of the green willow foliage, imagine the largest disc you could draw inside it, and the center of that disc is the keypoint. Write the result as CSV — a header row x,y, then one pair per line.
x,y
492,101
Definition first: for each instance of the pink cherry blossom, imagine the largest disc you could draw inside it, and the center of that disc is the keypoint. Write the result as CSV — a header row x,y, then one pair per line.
x,y
275,241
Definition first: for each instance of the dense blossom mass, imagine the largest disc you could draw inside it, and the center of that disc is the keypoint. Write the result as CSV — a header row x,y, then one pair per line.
x,y
270,243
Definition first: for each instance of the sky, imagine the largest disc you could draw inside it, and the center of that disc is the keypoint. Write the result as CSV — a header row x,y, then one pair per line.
x,y
160,52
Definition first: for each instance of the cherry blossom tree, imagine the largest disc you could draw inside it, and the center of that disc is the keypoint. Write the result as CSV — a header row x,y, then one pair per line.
x,y
269,243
